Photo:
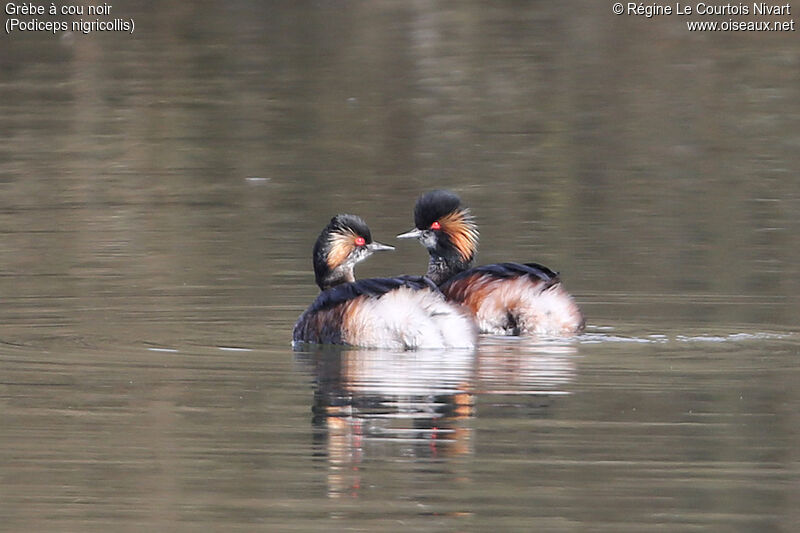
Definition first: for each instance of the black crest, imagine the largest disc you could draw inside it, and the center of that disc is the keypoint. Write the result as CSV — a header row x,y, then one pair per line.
x,y
348,223
432,206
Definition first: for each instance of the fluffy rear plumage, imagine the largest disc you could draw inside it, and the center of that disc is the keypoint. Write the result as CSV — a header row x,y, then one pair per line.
x,y
407,319
402,313
515,303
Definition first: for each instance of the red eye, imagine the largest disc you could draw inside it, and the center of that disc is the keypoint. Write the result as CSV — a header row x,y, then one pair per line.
x,y
436,225
360,241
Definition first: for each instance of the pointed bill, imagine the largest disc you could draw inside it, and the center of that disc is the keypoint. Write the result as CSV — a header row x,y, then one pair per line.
x,y
413,234
376,246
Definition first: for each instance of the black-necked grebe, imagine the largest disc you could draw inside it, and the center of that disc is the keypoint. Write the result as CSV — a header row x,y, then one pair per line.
x,y
505,298
405,312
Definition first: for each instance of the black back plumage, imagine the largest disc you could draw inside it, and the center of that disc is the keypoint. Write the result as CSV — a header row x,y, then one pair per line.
x,y
511,270
373,287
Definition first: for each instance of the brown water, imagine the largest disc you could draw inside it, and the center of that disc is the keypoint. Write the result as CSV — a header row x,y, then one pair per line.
x,y
160,193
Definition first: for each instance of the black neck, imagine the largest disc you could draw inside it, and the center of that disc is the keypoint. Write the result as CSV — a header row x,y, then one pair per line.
x,y
443,267
337,276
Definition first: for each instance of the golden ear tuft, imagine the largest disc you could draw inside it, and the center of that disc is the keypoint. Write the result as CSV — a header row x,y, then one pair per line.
x,y
342,245
462,232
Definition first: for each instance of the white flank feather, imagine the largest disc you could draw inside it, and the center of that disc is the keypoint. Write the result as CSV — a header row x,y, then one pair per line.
x,y
409,319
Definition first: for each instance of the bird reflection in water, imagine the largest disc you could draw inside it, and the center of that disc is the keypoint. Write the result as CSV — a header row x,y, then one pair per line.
x,y
417,405
526,366
378,403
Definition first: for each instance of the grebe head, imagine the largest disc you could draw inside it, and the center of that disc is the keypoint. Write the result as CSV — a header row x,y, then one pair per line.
x,y
447,230
345,241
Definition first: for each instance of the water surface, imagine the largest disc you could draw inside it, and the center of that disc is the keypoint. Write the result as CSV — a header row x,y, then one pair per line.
x,y
160,194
